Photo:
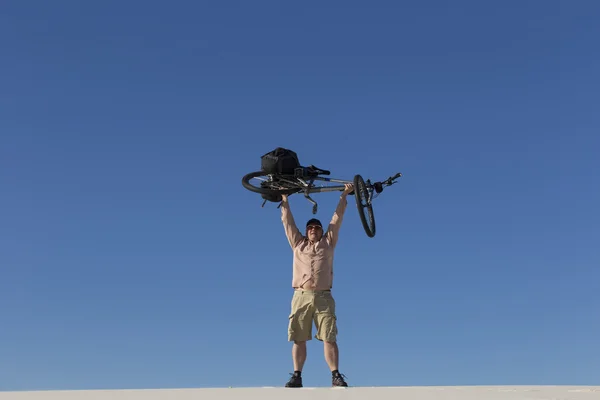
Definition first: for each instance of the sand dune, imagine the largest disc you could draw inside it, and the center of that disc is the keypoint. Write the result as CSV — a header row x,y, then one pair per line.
x,y
353,393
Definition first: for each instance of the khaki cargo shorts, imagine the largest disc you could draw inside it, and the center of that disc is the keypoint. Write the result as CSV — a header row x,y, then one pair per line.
x,y
312,306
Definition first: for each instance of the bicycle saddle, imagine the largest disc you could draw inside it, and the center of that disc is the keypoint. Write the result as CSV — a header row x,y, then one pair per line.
x,y
317,171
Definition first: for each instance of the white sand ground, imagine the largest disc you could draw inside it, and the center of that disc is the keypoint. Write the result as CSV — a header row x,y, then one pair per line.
x,y
368,393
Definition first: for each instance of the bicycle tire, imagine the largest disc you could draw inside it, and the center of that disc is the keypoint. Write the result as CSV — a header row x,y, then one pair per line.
x,y
262,190
360,194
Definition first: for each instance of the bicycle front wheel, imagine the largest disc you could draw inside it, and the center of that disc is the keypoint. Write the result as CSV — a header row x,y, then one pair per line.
x,y
263,183
363,203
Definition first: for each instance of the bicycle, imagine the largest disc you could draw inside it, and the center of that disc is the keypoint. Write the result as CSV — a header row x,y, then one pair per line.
x,y
303,179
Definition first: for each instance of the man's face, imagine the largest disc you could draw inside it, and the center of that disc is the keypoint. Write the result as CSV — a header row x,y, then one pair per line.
x,y
314,232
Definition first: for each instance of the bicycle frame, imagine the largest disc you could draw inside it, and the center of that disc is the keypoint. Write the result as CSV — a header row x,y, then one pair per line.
x,y
307,186
302,183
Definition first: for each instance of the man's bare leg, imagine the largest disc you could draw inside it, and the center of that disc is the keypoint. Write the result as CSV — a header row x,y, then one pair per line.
x,y
331,355
299,355
332,358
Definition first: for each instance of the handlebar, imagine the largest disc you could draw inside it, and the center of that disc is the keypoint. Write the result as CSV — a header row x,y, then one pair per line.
x,y
378,186
390,180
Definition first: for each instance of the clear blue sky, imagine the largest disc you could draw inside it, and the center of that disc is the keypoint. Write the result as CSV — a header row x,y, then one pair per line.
x,y
132,257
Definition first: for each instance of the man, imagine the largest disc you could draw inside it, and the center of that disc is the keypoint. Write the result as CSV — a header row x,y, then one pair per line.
x,y
312,282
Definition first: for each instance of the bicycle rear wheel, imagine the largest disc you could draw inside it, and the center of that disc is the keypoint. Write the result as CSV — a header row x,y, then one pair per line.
x,y
363,203
269,184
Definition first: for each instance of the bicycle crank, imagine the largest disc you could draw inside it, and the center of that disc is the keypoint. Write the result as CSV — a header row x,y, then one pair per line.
x,y
314,203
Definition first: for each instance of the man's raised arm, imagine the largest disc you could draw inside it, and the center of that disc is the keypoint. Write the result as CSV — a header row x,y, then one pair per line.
x,y
335,224
293,234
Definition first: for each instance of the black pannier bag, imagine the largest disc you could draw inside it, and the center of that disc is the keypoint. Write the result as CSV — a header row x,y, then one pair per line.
x,y
280,161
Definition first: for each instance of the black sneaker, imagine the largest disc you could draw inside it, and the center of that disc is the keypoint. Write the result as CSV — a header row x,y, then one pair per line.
x,y
338,380
294,382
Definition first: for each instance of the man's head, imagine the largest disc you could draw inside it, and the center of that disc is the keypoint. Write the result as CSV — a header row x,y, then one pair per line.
x,y
314,229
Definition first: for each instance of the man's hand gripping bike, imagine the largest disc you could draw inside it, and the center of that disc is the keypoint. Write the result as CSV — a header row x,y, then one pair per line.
x,y
272,186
